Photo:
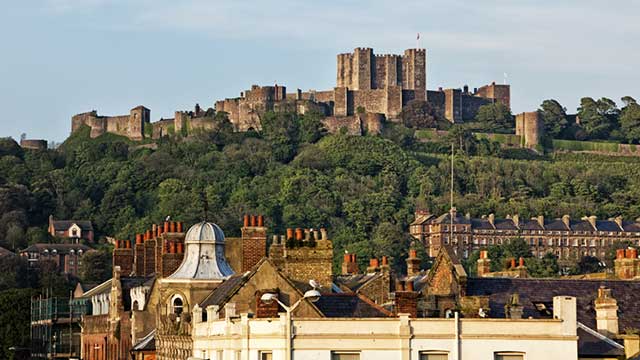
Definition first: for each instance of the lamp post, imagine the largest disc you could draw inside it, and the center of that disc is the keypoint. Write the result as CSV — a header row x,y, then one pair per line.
x,y
311,295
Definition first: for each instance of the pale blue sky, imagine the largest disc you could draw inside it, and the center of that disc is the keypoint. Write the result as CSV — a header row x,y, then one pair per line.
x,y
61,57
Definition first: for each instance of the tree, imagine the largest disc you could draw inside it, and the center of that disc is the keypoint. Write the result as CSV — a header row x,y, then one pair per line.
x,y
495,117
96,267
15,326
554,117
598,118
630,120
311,127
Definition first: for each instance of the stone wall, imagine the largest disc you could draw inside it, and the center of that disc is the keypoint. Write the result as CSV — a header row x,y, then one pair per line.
x,y
33,144
530,128
359,124
130,126
497,92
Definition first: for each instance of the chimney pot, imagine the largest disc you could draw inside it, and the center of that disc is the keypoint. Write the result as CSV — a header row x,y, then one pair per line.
x,y
179,226
323,233
166,227
620,254
413,253
299,234
628,253
289,233
409,285
138,238
128,244
116,244
260,220
347,258
513,263
245,222
399,285
253,220
353,257
385,261
172,226
521,262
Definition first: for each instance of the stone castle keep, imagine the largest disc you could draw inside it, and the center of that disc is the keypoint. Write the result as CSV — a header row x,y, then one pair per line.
x,y
370,89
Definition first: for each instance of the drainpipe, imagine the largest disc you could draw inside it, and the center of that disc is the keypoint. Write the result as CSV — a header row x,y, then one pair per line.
x,y
456,319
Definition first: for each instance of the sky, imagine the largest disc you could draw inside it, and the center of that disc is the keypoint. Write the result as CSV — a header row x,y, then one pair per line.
x,y
63,57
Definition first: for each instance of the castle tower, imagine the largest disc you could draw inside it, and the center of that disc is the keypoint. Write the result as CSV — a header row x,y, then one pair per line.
x,y
138,117
362,69
415,72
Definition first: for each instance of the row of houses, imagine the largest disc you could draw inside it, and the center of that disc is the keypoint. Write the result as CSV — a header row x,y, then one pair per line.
x,y
195,294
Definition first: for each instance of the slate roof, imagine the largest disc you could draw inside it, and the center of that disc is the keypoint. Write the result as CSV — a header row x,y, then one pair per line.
x,y
355,281
147,343
221,294
4,252
607,225
530,225
543,290
64,225
59,248
593,344
446,219
505,224
349,305
421,219
481,224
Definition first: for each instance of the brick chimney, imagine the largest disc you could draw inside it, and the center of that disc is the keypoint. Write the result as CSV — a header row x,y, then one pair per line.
x,y
349,264
606,312
123,257
254,241
374,265
264,310
139,255
413,263
484,263
627,264
406,300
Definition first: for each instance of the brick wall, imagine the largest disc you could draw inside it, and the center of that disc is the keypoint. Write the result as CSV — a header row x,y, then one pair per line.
x,y
149,256
306,263
124,257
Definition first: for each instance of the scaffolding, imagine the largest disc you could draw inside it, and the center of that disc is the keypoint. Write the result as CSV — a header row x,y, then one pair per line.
x,y
55,328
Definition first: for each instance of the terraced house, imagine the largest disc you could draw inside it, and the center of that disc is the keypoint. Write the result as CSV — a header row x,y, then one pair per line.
x,y
565,237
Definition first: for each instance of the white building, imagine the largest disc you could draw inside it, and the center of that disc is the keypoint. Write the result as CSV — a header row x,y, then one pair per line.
x,y
245,338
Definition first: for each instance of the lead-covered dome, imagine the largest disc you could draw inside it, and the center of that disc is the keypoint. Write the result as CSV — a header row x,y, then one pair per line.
x,y
204,232
204,258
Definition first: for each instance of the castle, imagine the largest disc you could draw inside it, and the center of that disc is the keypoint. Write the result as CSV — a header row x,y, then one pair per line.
x,y
370,89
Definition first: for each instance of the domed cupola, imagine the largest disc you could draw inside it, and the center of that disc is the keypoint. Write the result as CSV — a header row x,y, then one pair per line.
x,y
204,258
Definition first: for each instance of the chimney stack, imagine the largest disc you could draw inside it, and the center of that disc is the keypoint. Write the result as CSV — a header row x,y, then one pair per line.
x,y
413,263
606,312
484,263
406,300
349,264
374,265
627,264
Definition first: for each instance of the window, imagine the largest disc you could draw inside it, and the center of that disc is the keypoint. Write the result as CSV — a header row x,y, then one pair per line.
x,y
509,356
266,355
434,356
345,356
177,305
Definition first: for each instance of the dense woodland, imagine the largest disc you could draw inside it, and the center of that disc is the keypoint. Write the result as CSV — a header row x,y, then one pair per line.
x,y
363,189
